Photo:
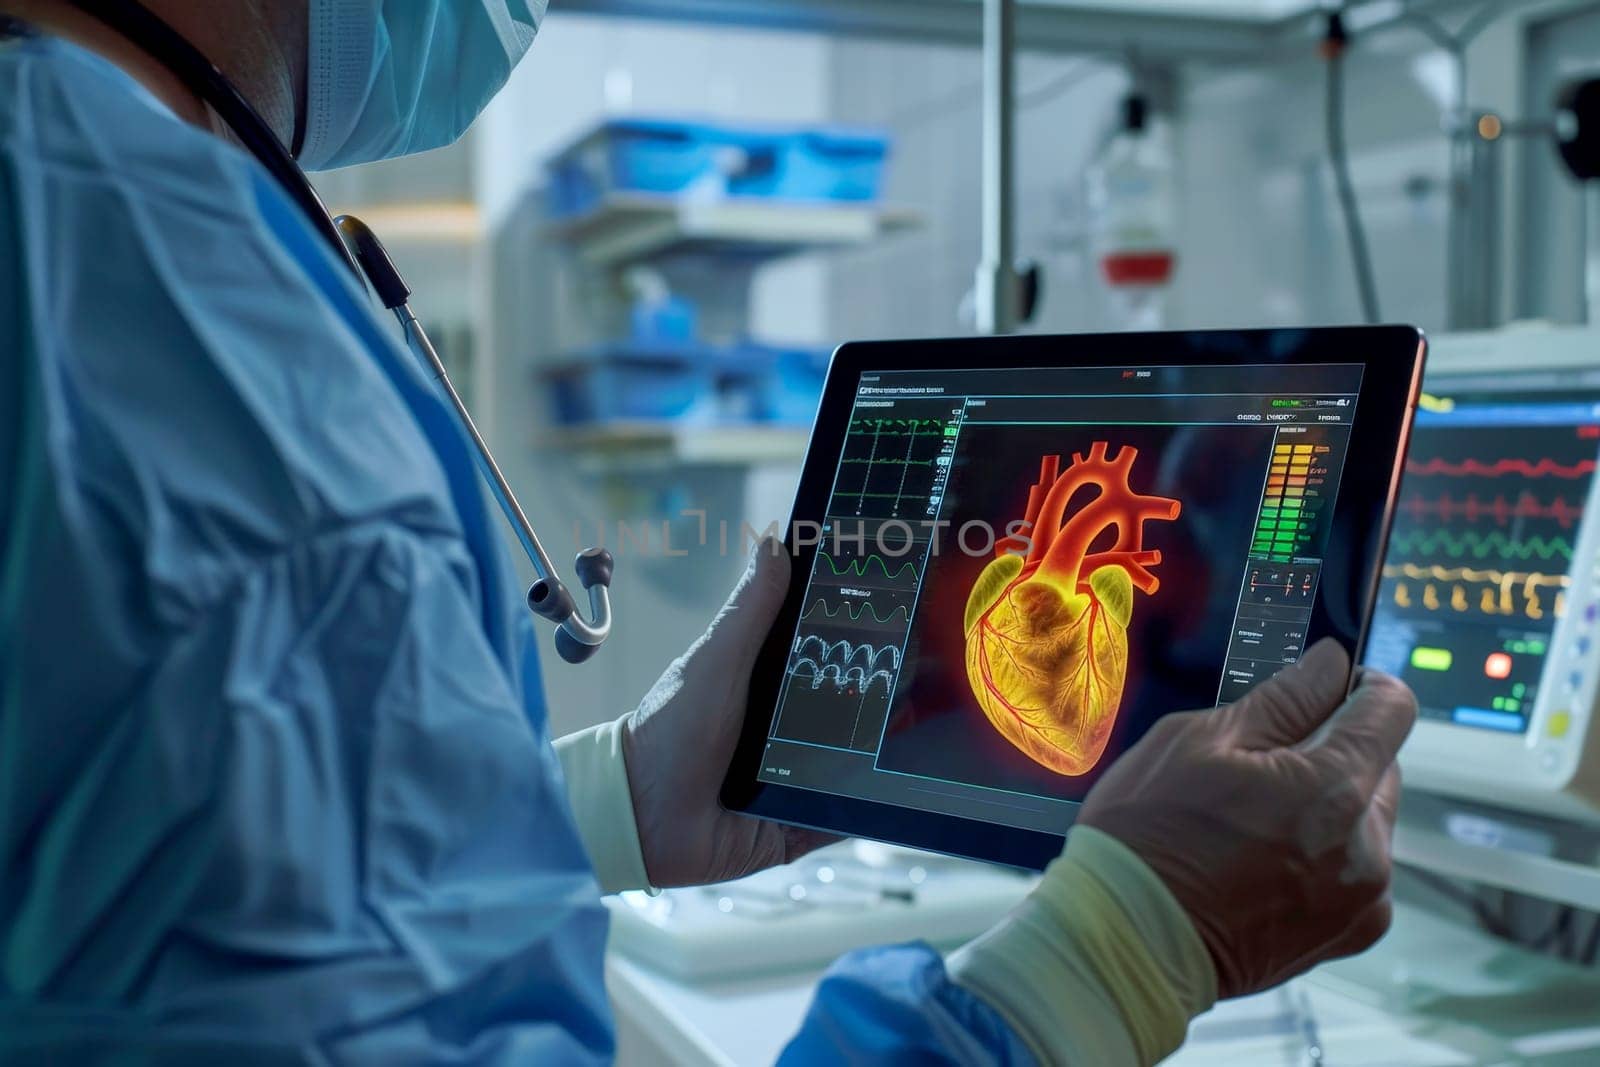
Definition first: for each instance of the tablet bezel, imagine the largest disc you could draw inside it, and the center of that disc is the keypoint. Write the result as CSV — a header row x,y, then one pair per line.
x,y
1392,358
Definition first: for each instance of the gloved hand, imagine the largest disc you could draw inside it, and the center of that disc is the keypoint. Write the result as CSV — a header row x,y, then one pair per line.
x,y
678,743
1270,820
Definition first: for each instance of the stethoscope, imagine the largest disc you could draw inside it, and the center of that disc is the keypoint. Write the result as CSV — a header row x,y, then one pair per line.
x,y
576,638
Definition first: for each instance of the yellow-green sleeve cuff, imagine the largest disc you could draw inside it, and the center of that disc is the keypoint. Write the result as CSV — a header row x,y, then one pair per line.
x,y
602,805
1099,965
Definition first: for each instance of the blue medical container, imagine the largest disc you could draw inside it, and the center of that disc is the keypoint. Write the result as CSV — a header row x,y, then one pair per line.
x,y
668,321
770,384
675,158
623,382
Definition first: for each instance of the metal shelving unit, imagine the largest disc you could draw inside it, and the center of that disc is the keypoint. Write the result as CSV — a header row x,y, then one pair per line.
x,y
639,440
1160,30
737,235
632,228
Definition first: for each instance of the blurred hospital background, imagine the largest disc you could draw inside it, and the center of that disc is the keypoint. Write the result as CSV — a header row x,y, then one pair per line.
x,y
638,260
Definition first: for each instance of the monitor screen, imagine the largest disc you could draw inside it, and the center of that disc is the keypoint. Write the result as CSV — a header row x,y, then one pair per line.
x,y
1480,561
1022,570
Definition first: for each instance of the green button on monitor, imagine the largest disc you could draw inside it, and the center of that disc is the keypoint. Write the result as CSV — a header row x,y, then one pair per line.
x,y
1432,659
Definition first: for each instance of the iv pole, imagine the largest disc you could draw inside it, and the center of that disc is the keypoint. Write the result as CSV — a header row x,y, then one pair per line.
x,y
998,287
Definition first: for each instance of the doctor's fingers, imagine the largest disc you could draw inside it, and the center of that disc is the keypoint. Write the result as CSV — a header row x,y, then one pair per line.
x,y
1365,929
1371,860
760,592
1357,871
731,642
1361,740
1291,705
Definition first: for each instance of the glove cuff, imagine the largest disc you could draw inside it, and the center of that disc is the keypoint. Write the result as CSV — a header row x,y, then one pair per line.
x,y
602,805
1099,965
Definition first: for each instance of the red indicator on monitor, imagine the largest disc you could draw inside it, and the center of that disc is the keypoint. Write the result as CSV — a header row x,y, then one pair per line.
x,y
1497,666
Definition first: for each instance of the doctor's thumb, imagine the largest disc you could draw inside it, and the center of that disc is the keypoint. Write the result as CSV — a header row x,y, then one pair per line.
x,y
760,592
737,633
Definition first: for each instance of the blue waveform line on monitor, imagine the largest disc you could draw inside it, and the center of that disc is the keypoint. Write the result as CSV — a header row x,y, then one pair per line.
x,y
840,677
845,654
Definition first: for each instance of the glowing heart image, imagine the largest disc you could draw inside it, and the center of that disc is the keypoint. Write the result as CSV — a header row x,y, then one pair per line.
x,y
1047,621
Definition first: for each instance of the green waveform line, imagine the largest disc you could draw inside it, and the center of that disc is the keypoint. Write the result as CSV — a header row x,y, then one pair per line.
x,y
900,427
855,616
1480,546
859,567
891,463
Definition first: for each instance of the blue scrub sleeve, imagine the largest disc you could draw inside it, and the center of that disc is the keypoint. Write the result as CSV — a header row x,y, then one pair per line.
x,y
274,782
896,1005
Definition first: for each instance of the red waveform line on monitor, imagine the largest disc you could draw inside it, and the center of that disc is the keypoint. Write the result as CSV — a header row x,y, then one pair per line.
x,y
1472,468
1501,510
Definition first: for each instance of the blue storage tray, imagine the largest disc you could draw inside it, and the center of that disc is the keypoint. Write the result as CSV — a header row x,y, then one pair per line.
x,y
771,384
665,157
620,383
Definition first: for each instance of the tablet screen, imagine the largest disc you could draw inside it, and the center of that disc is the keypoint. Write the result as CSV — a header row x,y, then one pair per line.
x,y
1021,570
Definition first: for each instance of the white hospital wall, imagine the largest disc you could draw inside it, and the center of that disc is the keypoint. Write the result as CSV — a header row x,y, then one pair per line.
x,y
1261,241
929,97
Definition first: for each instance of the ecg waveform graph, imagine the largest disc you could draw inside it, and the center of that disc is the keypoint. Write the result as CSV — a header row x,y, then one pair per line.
x,y
1472,545
1501,509
838,692
863,590
866,567
863,615
1489,536
891,466
1502,468
1531,595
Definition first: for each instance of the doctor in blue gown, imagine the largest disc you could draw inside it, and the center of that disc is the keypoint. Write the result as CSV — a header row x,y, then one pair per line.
x,y
275,781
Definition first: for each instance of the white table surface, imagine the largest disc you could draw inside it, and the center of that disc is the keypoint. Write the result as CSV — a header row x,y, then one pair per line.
x,y
1357,1012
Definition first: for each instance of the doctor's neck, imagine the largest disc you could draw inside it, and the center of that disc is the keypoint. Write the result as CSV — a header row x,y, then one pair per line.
x,y
259,44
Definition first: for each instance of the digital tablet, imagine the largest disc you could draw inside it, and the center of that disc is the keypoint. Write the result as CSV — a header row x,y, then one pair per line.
x,y
1013,555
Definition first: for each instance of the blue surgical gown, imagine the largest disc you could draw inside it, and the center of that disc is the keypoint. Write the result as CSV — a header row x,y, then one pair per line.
x,y
275,784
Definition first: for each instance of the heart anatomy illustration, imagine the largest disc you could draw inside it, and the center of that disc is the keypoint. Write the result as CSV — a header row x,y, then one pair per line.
x,y
1047,621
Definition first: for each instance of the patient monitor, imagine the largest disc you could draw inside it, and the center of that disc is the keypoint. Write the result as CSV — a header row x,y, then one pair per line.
x,y
1490,601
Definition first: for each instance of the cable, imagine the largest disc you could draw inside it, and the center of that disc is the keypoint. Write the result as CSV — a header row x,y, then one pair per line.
x,y
1590,953
1059,85
1334,46
1466,899
1557,934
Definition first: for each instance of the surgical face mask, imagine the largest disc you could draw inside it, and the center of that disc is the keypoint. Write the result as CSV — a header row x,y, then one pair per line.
x,y
389,77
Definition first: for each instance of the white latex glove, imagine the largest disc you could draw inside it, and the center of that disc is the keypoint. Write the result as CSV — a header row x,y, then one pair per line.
x,y
1226,852
1270,820
678,743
